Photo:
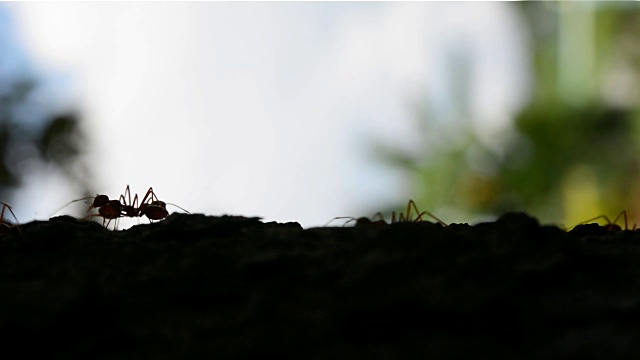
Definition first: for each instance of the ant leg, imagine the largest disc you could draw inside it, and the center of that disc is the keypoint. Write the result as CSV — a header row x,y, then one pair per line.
x,y
135,201
432,216
123,197
596,218
109,222
154,197
409,209
339,218
8,207
421,214
149,192
413,204
624,212
104,219
135,197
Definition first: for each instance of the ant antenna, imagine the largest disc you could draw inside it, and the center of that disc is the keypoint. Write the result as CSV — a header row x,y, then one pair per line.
x,y
178,207
71,202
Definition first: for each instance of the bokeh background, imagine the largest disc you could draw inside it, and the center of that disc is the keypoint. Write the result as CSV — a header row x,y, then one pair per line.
x,y
308,111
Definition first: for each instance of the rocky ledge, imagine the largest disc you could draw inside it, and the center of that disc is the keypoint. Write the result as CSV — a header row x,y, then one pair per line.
x,y
196,286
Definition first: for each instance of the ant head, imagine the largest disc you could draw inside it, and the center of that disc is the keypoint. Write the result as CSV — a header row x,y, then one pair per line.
x,y
100,201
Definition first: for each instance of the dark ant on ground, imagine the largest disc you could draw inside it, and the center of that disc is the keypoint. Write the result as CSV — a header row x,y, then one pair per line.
x,y
612,225
112,209
378,218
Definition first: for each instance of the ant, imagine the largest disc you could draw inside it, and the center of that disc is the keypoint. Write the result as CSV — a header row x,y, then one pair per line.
x,y
5,228
110,209
150,206
395,218
611,225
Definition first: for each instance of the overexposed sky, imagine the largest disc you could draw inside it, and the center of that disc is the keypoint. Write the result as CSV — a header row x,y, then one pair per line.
x,y
262,109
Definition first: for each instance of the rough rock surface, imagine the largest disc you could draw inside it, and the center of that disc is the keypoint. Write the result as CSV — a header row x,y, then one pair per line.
x,y
196,286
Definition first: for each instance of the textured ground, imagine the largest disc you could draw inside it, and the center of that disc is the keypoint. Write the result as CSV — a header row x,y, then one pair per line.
x,y
231,287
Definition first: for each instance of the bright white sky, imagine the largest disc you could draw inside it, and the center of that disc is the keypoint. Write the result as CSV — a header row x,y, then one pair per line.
x,y
262,109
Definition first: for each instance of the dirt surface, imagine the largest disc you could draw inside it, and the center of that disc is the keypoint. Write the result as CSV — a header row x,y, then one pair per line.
x,y
195,286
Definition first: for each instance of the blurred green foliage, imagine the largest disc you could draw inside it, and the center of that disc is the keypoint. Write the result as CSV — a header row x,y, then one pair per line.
x,y
572,152
40,136
33,137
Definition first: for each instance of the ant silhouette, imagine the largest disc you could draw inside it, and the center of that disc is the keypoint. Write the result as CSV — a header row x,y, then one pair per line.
x,y
611,225
378,218
110,209
5,228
